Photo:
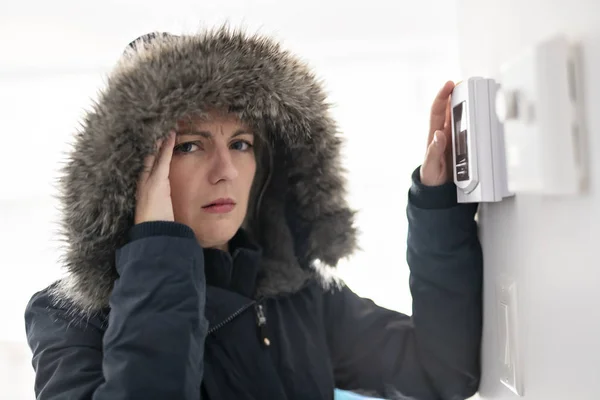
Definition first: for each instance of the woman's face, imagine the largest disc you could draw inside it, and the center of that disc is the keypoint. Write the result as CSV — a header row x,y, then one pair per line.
x,y
211,174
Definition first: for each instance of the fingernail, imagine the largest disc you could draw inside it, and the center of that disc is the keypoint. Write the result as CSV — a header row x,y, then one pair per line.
x,y
436,137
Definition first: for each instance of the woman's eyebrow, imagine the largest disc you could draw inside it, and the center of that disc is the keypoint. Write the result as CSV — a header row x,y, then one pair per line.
x,y
209,135
204,134
242,132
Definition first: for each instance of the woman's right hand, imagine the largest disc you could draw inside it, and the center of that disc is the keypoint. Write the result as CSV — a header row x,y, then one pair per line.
x,y
153,194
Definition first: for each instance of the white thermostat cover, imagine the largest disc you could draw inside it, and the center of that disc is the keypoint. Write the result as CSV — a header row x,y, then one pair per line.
x,y
479,164
540,106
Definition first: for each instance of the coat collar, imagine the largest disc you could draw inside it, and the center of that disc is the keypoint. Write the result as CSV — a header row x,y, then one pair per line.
x,y
236,270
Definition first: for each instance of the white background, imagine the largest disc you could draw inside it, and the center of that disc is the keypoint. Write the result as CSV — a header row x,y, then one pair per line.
x,y
382,61
549,247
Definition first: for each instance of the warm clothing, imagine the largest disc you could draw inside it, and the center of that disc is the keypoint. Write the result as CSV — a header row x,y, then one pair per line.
x,y
165,319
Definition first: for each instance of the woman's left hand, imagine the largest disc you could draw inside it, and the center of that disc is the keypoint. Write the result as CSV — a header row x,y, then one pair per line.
x,y
437,167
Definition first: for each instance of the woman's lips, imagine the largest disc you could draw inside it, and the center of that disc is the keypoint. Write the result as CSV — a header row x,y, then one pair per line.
x,y
220,206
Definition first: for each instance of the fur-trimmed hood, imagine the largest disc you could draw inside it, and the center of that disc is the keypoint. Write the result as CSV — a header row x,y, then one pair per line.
x,y
303,213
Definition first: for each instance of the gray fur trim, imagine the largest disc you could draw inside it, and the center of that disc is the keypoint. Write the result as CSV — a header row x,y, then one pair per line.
x,y
303,215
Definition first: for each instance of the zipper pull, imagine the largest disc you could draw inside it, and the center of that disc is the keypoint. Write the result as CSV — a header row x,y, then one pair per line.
x,y
261,320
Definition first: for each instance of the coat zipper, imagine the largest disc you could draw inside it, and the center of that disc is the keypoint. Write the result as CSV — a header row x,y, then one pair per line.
x,y
231,317
261,320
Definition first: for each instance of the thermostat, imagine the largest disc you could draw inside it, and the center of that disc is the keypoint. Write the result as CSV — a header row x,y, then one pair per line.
x,y
478,152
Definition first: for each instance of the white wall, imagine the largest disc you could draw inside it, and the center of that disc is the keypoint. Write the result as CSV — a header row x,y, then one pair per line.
x,y
382,62
549,247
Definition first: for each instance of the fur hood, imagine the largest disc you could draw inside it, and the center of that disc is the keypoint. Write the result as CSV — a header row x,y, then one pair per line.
x,y
303,215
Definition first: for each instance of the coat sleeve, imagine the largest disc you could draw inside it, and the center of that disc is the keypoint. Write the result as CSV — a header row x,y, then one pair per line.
x,y
435,353
154,342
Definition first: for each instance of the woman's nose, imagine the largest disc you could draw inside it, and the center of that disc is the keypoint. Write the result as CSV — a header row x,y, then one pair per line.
x,y
223,167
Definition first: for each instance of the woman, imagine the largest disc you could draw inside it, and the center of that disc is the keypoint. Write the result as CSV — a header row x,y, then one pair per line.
x,y
195,266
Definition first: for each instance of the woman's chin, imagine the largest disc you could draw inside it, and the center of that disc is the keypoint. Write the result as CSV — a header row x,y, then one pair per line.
x,y
216,235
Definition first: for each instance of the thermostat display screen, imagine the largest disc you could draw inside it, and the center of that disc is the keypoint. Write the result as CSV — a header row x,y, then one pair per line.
x,y
460,140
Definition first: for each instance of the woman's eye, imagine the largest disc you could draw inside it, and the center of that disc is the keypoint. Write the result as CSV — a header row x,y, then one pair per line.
x,y
241,145
186,147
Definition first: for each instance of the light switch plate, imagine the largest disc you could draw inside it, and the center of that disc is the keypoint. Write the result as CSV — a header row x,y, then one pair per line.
x,y
508,336
540,105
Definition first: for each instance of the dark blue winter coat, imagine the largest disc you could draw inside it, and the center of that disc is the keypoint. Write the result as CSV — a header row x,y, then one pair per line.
x,y
146,313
